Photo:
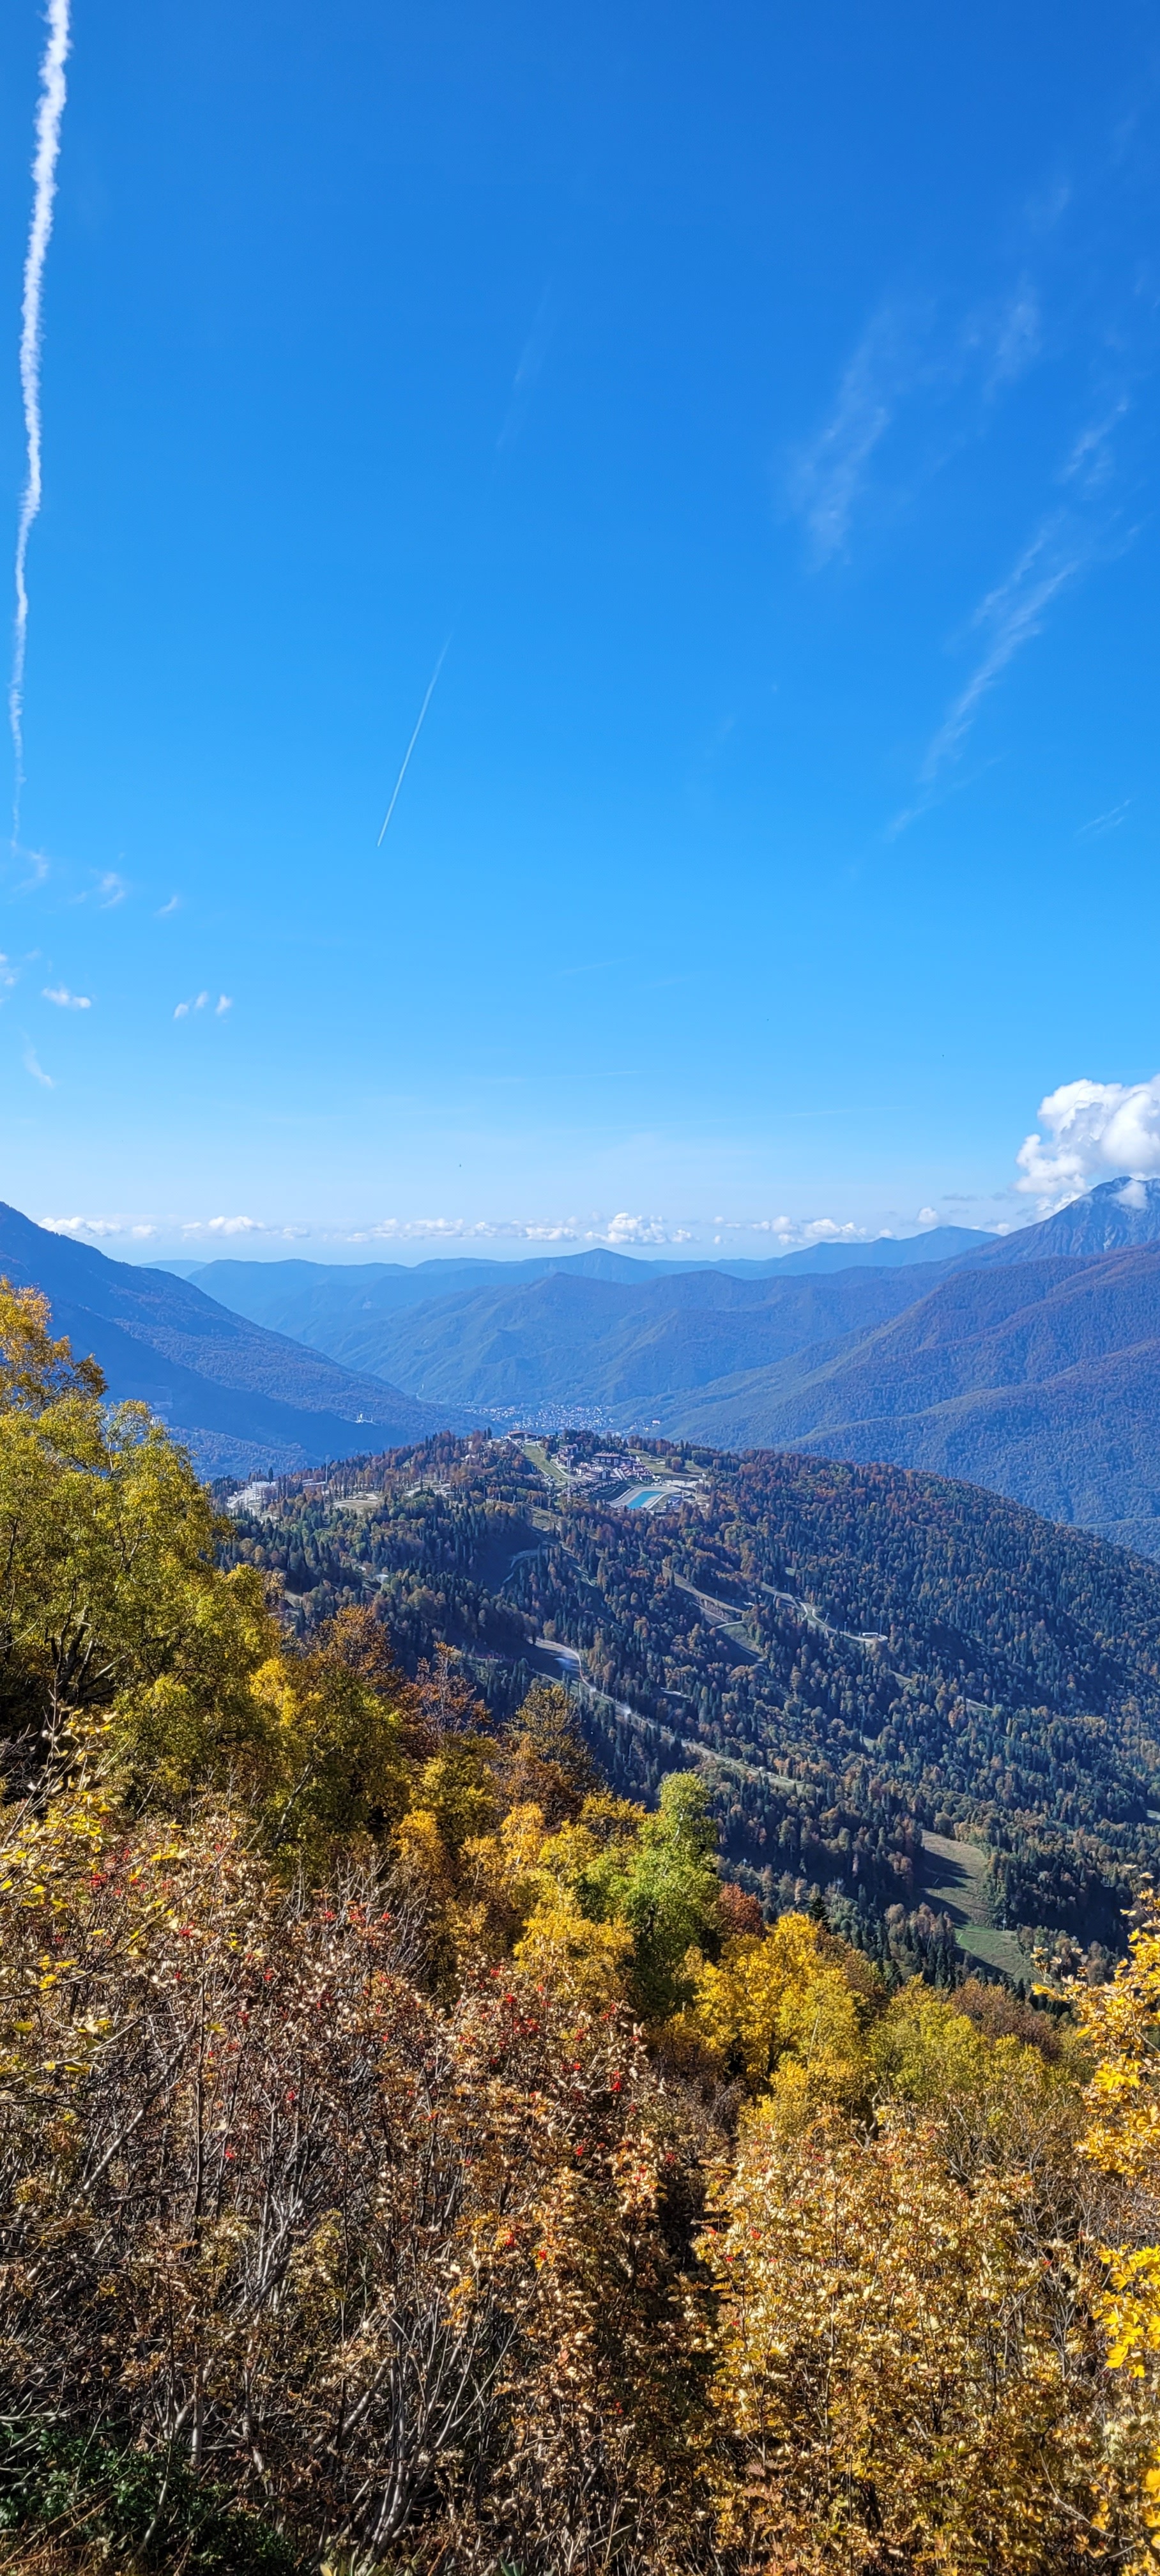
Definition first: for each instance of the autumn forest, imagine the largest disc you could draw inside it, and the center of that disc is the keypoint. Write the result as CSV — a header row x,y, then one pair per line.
x,y
460,2124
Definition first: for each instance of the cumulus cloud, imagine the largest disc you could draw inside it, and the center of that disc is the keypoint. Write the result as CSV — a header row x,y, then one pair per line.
x,y
226,1225
641,1229
1088,1132
620,1229
458,1229
796,1233
99,1226
66,1001
200,1002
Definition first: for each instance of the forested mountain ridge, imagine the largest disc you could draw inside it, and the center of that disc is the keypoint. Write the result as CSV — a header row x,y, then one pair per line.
x,y
314,1299
860,1655
415,2157
1041,1379
1109,1218
244,1398
1030,1363
567,1340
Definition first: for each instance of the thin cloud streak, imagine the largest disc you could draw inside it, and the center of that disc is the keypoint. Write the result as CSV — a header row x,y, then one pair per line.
x,y
908,360
411,745
532,356
1089,462
1014,612
1101,823
49,114
830,475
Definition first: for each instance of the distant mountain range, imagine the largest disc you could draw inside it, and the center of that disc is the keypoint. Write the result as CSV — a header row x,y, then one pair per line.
x,y
1108,1219
317,1300
568,1340
1028,1363
243,1398
1040,1379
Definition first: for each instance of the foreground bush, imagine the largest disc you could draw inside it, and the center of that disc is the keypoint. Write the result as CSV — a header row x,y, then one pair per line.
x,y
370,2264
412,2157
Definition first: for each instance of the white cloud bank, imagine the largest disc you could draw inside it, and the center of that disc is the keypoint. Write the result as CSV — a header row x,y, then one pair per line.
x,y
802,1232
1094,1130
622,1232
99,1226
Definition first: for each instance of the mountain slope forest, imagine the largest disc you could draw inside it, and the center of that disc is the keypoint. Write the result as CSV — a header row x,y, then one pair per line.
x,y
243,1398
913,1701
417,2155
1030,1364
319,1301
1041,1379
576,1342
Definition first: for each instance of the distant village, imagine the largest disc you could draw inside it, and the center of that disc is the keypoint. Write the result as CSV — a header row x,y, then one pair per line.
x,y
644,1488
627,1479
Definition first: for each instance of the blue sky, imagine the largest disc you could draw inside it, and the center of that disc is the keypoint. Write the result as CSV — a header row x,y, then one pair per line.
x,y
763,403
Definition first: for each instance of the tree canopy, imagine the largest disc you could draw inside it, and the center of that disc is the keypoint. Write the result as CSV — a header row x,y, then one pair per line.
x,y
417,2155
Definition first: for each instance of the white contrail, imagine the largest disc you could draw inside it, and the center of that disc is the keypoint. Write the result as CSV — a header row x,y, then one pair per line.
x,y
49,112
411,745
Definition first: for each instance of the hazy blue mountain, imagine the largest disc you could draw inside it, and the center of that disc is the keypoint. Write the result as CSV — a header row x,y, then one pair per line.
x,y
318,1301
591,1342
1031,1364
887,1252
335,1305
1040,1379
242,1397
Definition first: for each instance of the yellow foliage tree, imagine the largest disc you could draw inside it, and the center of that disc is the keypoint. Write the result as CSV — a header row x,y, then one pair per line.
x,y
887,2367
109,1592
268,2209
792,2009
1120,2022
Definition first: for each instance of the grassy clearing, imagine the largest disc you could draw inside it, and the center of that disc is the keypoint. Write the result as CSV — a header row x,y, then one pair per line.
x,y
953,1882
953,1875
996,1949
